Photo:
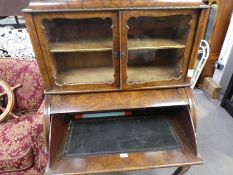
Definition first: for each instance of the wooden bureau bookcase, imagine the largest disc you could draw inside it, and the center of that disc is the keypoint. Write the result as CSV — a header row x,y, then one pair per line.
x,y
105,57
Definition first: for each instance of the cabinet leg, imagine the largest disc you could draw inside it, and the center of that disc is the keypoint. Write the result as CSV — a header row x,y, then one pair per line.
x,y
181,170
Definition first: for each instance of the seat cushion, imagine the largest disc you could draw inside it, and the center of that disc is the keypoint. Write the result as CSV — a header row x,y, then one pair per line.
x,y
15,139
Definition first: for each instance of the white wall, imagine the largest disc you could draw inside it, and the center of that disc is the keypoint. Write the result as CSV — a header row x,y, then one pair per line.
x,y
222,77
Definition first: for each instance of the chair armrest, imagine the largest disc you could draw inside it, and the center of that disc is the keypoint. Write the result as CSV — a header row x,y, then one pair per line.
x,y
38,140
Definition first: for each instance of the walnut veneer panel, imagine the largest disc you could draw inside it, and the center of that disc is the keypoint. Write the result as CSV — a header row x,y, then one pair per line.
x,y
117,100
54,5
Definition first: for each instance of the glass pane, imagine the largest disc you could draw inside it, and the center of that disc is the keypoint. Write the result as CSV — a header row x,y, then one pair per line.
x,y
81,50
156,47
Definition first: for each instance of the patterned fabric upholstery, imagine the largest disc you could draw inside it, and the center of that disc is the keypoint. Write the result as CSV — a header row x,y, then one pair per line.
x,y
16,149
22,149
30,95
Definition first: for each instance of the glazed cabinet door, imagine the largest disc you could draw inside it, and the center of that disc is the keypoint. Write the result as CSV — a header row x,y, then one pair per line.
x,y
156,46
80,50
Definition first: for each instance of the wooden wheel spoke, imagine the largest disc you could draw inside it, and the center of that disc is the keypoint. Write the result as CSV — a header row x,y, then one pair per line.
x,y
2,109
15,87
11,114
8,91
12,88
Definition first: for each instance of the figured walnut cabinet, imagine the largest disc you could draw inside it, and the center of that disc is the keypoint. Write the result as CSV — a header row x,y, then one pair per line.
x,y
117,49
99,56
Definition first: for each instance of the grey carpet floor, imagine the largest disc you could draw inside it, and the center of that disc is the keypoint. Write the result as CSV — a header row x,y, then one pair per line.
x,y
215,141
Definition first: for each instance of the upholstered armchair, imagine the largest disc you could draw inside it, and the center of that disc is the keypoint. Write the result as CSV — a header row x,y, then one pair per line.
x,y
22,147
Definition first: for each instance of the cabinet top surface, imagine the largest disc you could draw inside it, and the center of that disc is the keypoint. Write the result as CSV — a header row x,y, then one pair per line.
x,y
73,5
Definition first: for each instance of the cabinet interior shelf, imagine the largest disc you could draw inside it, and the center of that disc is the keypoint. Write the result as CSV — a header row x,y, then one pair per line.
x,y
99,45
105,74
151,44
81,46
151,73
87,75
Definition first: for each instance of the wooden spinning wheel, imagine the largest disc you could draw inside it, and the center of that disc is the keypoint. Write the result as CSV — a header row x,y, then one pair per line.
x,y
8,91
